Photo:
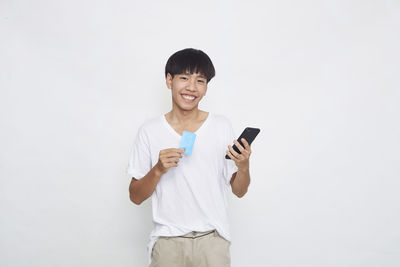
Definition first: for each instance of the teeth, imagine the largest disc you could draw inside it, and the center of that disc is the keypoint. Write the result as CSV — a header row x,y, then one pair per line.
x,y
188,97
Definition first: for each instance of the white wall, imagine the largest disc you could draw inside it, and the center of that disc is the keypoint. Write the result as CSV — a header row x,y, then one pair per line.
x,y
320,78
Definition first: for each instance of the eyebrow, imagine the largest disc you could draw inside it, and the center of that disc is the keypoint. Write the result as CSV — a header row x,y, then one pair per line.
x,y
200,75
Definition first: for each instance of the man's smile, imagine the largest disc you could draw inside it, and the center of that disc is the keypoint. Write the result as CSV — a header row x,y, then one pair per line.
x,y
188,98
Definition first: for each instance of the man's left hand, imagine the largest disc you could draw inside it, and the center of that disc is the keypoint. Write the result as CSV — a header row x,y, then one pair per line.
x,y
241,160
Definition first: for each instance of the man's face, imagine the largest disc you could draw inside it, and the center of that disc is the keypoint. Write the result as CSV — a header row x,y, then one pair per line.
x,y
187,89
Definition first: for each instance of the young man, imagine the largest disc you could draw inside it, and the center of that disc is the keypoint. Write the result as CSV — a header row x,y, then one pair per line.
x,y
189,192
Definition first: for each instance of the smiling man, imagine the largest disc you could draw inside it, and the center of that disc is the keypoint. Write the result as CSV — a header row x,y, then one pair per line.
x,y
189,191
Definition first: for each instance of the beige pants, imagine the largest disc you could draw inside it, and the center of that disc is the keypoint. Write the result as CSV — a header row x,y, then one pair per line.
x,y
196,249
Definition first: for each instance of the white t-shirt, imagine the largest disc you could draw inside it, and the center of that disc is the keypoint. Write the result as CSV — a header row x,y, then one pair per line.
x,y
194,195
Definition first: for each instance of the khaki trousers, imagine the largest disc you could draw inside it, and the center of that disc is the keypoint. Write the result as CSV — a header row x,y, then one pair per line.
x,y
196,249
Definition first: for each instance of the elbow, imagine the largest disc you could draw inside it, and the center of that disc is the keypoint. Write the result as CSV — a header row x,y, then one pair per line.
x,y
135,200
241,194
240,191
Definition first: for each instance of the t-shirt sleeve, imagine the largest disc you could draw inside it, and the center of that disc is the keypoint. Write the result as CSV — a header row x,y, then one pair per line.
x,y
140,160
229,165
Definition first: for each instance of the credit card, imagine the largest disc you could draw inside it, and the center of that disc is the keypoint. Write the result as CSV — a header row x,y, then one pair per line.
x,y
187,142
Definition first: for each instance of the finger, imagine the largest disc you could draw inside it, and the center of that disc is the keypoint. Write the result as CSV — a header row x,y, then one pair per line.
x,y
177,150
173,164
246,144
234,153
176,156
171,159
173,154
171,150
169,164
231,156
238,145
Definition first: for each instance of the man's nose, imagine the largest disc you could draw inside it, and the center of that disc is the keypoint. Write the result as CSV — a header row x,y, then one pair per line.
x,y
192,85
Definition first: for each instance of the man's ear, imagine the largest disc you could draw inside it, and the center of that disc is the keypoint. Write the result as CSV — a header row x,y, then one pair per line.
x,y
168,80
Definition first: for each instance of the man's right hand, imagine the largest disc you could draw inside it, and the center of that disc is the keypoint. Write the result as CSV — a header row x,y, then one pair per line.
x,y
168,158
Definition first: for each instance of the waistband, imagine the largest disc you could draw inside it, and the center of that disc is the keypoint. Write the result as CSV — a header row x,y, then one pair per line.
x,y
194,234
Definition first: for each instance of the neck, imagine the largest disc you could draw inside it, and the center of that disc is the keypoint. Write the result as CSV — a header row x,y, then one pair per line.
x,y
184,116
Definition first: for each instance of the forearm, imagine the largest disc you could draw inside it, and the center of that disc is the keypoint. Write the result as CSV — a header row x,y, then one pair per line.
x,y
140,190
241,182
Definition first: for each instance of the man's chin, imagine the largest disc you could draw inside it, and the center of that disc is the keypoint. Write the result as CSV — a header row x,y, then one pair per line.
x,y
188,108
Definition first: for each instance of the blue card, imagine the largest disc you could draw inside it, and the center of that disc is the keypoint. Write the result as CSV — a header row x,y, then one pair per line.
x,y
187,142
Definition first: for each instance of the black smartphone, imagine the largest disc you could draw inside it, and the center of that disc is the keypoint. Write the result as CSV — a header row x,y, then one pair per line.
x,y
249,134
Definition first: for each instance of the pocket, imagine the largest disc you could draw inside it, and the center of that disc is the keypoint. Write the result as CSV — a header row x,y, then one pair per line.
x,y
218,251
222,238
155,248
155,254
166,251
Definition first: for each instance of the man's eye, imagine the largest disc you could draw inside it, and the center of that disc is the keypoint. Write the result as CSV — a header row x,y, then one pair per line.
x,y
201,81
183,78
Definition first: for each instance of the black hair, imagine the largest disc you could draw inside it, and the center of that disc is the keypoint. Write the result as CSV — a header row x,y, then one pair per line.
x,y
190,60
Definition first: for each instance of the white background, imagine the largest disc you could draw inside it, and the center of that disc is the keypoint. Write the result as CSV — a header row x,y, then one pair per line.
x,y
320,78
